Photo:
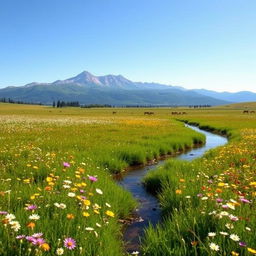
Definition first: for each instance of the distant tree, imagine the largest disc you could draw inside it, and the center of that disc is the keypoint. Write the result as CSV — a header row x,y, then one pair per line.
x,y
53,104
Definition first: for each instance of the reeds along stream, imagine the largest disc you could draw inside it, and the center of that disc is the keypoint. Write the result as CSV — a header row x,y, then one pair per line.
x,y
148,210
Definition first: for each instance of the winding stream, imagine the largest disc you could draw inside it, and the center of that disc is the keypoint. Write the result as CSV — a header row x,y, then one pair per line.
x,y
148,210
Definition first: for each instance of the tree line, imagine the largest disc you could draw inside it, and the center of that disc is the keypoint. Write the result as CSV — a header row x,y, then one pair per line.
x,y
9,100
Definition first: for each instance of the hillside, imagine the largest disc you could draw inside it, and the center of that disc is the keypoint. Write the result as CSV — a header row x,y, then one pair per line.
x,y
115,90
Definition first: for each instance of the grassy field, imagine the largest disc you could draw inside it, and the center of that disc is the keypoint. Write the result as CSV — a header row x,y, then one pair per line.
x,y
209,204
57,193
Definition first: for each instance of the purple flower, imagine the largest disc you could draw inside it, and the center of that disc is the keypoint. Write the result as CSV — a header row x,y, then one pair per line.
x,y
225,206
40,241
37,235
70,243
244,200
242,244
31,239
66,164
3,213
31,207
81,191
210,181
219,200
199,195
92,178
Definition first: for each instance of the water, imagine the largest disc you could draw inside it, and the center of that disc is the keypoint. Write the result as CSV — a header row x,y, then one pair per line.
x,y
148,210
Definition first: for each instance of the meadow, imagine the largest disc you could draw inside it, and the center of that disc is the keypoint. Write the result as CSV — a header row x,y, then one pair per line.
x,y
58,195
208,204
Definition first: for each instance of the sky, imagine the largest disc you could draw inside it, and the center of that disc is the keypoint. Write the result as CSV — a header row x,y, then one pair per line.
x,y
207,44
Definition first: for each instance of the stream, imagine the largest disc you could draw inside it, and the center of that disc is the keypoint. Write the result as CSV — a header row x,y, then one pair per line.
x,y
148,210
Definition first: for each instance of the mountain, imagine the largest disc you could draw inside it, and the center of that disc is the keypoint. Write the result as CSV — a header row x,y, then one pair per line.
x,y
243,96
114,90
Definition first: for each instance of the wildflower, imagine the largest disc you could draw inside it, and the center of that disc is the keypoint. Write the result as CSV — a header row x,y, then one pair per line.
x,y
98,225
234,237
251,250
229,226
244,200
48,188
135,253
87,202
178,191
223,233
234,253
110,213
3,213
214,247
233,218
86,214
70,243
31,225
66,164
31,207
70,216
15,225
231,206
204,198
219,200
93,179
39,241
45,247
59,251
37,235
89,229
242,244
211,234
10,217
67,182
49,179
71,194
99,191
248,229
34,217
20,237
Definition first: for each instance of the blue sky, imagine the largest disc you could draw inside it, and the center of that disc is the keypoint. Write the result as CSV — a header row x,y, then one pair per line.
x,y
192,43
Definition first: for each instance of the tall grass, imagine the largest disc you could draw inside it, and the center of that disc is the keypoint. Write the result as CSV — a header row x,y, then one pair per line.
x,y
61,162
208,205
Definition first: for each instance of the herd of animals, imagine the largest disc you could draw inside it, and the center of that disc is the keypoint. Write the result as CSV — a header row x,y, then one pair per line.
x,y
184,113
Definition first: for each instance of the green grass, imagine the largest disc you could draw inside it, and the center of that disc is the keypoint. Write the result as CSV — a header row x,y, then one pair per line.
x,y
37,140
189,192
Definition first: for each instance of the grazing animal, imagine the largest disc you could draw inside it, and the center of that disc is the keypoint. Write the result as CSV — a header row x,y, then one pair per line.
x,y
148,113
245,111
252,112
114,112
179,113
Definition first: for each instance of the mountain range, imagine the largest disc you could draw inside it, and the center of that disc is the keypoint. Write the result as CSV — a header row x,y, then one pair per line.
x,y
117,90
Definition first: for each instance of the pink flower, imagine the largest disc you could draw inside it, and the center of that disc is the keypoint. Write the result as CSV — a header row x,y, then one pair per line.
x,y
242,244
70,243
244,200
20,237
31,207
92,178
66,164
219,200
